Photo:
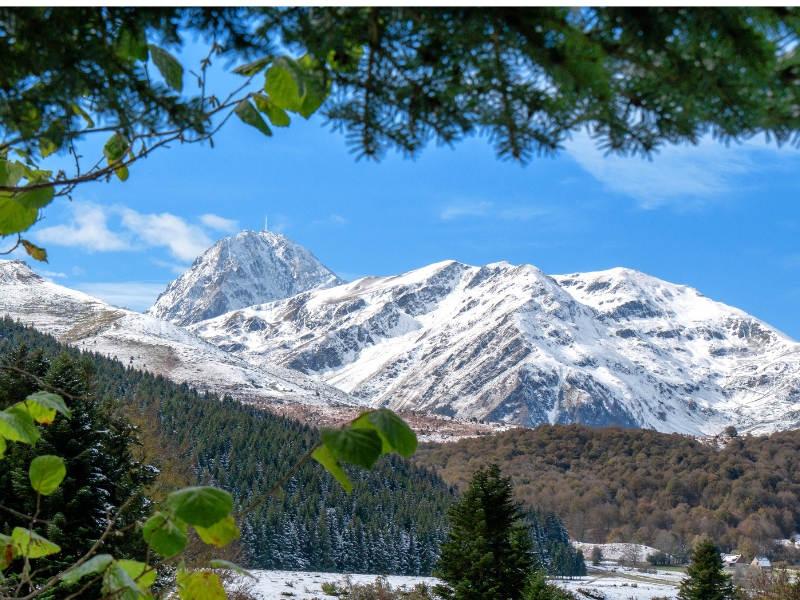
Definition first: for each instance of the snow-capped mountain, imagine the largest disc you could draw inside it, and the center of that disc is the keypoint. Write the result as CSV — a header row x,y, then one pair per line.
x,y
147,343
243,270
511,344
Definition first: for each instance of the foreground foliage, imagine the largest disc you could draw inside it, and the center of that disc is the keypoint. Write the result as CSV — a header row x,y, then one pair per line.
x,y
663,490
387,77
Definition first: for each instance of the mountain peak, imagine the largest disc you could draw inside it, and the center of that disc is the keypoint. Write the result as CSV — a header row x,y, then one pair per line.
x,y
253,267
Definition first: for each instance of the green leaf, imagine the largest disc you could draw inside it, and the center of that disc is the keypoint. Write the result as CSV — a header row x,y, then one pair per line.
x,y
135,570
346,61
132,44
11,172
219,534
96,564
395,434
169,67
361,447
47,401
254,67
51,140
318,87
46,473
35,252
46,147
224,564
79,111
200,585
323,456
116,147
2,446
247,113
116,580
165,536
13,217
285,84
9,550
18,426
34,199
32,544
201,505
277,116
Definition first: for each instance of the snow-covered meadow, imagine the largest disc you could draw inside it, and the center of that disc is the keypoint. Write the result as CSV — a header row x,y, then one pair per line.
x,y
608,582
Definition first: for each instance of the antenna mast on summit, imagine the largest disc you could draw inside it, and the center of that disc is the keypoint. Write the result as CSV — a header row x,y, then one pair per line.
x,y
266,223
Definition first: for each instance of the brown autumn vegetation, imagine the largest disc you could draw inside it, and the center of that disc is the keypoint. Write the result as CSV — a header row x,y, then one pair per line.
x,y
634,485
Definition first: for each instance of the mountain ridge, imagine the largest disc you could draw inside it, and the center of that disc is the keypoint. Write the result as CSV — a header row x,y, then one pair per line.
x,y
238,271
511,344
148,343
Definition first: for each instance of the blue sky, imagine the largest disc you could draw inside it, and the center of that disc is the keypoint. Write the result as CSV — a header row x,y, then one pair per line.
x,y
724,220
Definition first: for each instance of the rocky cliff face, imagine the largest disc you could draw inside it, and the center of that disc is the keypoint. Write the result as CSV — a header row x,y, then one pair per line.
x,y
243,270
511,344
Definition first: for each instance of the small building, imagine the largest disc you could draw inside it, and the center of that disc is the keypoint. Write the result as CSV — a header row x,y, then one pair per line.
x,y
733,561
761,563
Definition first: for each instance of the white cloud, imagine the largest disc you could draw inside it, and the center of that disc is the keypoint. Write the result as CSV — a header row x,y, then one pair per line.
x,y
465,209
78,271
133,294
186,242
219,223
682,175
87,228
51,274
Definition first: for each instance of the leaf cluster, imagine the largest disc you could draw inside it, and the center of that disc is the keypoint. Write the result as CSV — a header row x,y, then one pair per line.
x,y
527,77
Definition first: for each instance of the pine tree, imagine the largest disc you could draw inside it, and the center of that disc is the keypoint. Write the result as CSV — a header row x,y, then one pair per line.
x,y
706,579
488,552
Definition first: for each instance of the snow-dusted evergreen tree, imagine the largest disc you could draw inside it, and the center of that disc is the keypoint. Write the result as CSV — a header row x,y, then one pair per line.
x,y
551,543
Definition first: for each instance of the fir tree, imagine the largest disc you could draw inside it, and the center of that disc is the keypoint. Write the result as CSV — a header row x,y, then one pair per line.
x,y
706,579
488,552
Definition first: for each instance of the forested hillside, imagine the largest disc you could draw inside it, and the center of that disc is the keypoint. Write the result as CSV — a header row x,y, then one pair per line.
x,y
614,484
392,523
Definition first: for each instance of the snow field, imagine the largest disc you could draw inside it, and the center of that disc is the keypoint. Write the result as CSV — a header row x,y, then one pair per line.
x,y
616,584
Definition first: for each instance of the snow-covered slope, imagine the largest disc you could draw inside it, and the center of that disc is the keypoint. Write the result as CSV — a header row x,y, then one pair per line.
x,y
146,342
239,271
508,343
